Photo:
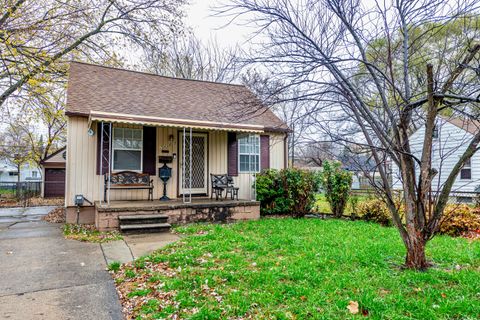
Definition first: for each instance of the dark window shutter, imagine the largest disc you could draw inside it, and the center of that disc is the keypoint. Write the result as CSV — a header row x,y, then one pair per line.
x,y
102,147
149,150
264,152
232,154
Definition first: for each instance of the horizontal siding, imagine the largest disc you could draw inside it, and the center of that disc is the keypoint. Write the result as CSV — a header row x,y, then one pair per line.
x,y
277,151
81,177
447,149
245,181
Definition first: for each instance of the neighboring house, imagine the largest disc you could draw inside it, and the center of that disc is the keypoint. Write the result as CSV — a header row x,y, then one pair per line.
x,y
232,134
358,166
365,173
451,138
53,173
9,172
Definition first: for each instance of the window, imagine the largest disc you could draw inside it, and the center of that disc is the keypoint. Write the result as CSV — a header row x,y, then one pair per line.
x,y
435,132
34,174
13,173
466,172
249,153
127,149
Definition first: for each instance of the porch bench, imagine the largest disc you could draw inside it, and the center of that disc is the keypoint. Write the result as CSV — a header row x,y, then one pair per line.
x,y
128,180
222,182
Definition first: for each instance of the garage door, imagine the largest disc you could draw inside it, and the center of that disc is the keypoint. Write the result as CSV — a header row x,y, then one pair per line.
x,y
54,183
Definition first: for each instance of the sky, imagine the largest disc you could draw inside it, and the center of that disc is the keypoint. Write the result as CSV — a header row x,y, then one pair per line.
x,y
206,26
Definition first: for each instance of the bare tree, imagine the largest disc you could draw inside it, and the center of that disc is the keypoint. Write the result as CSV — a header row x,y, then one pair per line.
x,y
36,35
187,57
376,72
287,104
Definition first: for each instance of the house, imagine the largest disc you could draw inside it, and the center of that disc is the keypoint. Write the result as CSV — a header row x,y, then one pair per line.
x,y
451,138
9,172
121,120
53,173
363,169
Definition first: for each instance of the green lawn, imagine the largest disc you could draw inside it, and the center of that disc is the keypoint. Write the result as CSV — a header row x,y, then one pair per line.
x,y
301,269
322,206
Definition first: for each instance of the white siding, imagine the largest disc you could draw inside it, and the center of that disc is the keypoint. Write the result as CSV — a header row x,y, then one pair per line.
x,y
447,148
26,172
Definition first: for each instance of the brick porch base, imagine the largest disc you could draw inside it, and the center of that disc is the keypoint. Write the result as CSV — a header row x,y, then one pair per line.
x,y
200,210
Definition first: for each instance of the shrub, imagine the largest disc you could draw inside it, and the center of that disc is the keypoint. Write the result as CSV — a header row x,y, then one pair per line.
x,y
459,219
354,200
375,210
290,191
336,184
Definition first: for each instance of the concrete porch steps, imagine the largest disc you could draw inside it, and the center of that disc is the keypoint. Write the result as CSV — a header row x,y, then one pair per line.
x,y
142,219
144,223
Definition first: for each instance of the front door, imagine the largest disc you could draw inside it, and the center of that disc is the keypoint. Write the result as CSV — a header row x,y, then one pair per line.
x,y
198,164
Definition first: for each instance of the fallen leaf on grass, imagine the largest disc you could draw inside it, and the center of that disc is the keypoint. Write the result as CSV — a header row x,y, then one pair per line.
x,y
383,292
353,307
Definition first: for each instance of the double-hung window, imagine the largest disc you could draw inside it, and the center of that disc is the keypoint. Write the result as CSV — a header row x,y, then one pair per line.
x,y
249,153
127,149
466,172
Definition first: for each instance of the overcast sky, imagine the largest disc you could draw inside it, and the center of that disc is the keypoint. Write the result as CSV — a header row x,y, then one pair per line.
x,y
206,27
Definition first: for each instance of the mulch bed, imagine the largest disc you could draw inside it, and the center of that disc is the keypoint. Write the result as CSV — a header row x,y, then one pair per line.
x,y
32,202
472,235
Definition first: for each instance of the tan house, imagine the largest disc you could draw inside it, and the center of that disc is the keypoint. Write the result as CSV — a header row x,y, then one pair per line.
x,y
124,126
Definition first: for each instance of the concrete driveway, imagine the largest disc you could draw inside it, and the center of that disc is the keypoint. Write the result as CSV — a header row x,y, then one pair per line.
x,y
44,276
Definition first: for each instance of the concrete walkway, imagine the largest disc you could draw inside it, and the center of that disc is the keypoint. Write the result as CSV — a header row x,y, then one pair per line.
x,y
44,276
23,214
135,246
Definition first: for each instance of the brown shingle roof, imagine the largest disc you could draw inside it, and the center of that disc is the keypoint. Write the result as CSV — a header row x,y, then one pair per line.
x,y
469,125
105,89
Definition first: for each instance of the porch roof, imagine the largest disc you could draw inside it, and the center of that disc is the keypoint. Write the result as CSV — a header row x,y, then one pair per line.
x,y
97,116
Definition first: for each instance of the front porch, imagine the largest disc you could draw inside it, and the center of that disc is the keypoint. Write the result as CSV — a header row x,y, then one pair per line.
x,y
109,216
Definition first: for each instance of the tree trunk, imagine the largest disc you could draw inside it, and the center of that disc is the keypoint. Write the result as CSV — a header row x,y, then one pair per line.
x,y
416,258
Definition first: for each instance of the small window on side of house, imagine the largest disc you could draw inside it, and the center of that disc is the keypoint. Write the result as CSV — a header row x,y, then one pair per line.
x,y
34,174
249,153
466,171
435,132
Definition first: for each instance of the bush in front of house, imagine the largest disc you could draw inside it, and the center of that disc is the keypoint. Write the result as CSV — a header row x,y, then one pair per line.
x,y
460,219
374,210
336,184
287,192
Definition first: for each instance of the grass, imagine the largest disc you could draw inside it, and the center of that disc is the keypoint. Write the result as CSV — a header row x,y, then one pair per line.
x,y
114,266
300,269
322,206
88,233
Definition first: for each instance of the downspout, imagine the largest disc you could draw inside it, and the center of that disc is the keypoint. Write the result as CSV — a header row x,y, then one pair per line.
x,y
285,149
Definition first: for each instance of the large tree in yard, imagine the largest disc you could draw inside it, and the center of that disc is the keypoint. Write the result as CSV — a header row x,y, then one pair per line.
x,y
36,35
375,70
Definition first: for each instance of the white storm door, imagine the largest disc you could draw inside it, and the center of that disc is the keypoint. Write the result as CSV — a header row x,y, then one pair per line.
x,y
198,164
